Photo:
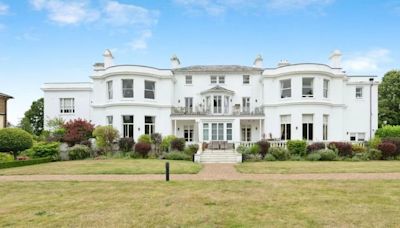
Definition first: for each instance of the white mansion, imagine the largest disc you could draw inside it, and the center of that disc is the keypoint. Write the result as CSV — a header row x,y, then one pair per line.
x,y
233,103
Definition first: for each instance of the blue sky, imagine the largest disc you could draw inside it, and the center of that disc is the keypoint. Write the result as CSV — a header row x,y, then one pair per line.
x,y
59,40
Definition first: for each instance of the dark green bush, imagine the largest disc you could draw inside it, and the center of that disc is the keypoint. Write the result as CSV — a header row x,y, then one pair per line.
x,y
178,144
78,152
166,143
126,144
374,154
279,153
297,147
14,140
327,155
43,150
18,163
254,149
191,149
177,155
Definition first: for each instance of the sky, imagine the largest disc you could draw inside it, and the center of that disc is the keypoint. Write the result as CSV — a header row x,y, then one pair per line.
x,y
59,40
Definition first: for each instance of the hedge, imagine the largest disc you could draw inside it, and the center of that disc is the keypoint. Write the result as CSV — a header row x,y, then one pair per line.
x,y
388,131
18,163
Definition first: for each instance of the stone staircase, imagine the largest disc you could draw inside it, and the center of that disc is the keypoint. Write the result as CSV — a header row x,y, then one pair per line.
x,y
218,156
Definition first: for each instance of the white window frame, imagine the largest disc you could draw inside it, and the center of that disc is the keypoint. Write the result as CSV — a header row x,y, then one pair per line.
x,y
245,133
359,94
110,94
308,127
66,108
150,126
286,127
221,79
110,120
325,127
206,129
246,79
127,89
213,79
246,104
189,130
126,126
311,87
189,104
217,109
283,89
152,90
358,136
229,131
188,80
326,88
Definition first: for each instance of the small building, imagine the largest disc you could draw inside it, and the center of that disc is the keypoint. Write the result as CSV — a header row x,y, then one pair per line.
x,y
3,109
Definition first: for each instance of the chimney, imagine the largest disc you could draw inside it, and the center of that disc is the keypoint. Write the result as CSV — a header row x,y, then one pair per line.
x,y
283,63
175,63
108,58
258,62
336,59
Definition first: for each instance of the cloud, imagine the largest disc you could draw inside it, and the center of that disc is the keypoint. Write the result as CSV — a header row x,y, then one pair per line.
x,y
140,43
124,14
367,62
66,12
220,7
3,8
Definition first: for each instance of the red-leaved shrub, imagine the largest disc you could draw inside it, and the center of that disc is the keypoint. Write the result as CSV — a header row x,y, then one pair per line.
x,y
344,149
315,146
77,131
143,148
178,144
388,150
395,141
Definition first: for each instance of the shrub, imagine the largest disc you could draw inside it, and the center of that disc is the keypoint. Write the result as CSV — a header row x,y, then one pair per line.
x,y
156,138
279,153
358,149
191,149
297,147
14,140
254,149
374,142
327,155
178,144
374,154
269,157
166,143
78,152
105,136
313,157
142,148
18,163
251,157
77,131
343,149
388,150
395,141
388,131
241,149
5,157
296,157
144,139
264,146
126,144
315,146
43,150
177,155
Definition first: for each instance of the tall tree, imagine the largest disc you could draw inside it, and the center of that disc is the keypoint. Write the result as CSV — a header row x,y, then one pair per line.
x,y
389,98
33,118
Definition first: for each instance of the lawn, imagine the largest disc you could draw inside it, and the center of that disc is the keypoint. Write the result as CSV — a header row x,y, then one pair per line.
x,y
112,166
319,167
201,204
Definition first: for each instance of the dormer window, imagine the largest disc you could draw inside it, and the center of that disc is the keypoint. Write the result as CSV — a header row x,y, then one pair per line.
x,y
308,87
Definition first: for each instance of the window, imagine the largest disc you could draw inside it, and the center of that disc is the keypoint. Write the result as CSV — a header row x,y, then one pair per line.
x,y
246,104
188,133
246,79
325,127
188,80
149,125
213,79
221,79
360,136
127,88
308,127
217,104
308,87
110,90
246,133
353,136
67,105
149,89
110,120
286,127
326,88
205,132
188,104
286,88
359,92
229,131
127,122
217,131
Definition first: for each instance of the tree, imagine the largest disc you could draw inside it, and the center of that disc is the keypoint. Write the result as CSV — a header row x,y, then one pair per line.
x,y
33,118
77,131
389,98
14,140
105,136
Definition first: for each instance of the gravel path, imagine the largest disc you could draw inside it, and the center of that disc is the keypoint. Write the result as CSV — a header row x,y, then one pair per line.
x,y
209,172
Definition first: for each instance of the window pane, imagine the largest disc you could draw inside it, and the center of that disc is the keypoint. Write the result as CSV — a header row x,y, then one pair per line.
x,y
127,119
205,131
127,88
288,132
305,131
221,79
246,79
149,94
220,131
214,131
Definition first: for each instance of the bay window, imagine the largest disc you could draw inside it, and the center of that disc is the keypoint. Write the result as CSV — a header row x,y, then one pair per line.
x,y
286,88
308,87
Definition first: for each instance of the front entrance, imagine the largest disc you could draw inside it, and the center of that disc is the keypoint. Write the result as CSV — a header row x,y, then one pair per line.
x,y
246,133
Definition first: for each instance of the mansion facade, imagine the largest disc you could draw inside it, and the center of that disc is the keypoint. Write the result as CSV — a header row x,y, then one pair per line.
x,y
203,103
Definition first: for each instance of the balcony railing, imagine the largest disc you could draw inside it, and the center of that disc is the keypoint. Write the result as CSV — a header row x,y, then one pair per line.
x,y
258,111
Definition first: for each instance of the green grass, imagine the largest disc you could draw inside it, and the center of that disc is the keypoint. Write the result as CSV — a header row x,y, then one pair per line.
x,y
319,167
112,166
201,204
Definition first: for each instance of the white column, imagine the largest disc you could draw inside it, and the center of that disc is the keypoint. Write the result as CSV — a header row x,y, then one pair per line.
x,y
260,129
175,127
236,132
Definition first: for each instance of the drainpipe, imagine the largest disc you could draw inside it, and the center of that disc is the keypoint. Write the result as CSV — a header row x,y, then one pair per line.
x,y
371,80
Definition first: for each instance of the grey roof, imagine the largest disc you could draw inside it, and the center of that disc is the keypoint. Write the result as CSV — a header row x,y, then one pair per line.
x,y
217,89
217,68
5,95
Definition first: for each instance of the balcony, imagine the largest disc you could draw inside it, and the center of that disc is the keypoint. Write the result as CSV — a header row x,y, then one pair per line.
x,y
203,111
